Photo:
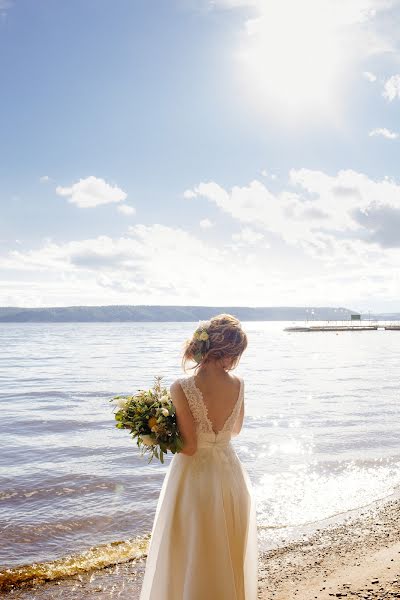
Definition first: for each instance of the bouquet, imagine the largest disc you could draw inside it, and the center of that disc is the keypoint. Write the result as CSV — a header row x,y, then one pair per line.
x,y
150,417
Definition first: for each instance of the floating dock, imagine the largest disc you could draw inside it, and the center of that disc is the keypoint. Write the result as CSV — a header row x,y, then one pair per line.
x,y
373,327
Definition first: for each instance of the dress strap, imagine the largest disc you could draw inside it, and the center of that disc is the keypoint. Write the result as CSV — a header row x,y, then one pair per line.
x,y
231,420
196,403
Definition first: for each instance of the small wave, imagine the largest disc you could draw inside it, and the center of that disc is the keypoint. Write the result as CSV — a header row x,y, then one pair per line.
x,y
33,394
74,488
395,493
96,557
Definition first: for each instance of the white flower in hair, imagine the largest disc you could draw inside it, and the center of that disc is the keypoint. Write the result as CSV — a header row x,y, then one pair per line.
x,y
201,332
203,340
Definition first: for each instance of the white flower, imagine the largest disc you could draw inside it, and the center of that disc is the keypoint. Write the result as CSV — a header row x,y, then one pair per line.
x,y
165,412
165,399
121,402
148,440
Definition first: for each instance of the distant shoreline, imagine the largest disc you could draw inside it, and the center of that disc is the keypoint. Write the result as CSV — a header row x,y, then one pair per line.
x,y
158,313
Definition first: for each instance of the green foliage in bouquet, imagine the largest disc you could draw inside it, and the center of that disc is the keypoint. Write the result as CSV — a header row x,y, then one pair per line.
x,y
150,417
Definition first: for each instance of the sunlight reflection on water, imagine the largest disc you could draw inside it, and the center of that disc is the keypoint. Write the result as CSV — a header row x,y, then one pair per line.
x,y
320,433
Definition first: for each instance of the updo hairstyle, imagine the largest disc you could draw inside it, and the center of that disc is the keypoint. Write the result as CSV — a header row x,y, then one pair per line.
x,y
219,338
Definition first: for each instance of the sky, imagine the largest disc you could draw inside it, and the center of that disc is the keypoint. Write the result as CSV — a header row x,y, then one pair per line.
x,y
198,152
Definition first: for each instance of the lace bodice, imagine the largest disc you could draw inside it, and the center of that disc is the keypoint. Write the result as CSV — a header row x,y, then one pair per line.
x,y
199,409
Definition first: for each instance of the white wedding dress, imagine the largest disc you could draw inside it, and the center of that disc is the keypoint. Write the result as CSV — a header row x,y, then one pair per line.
x,y
204,539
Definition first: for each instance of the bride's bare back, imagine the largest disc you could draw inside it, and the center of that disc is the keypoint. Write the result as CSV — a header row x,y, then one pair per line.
x,y
220,393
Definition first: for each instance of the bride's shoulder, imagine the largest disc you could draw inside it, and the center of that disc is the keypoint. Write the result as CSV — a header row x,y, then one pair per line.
x,y
179,384
181,379
240,384
180,391
238,377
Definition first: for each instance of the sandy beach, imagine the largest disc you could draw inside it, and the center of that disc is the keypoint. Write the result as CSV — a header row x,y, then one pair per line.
x,y
358,558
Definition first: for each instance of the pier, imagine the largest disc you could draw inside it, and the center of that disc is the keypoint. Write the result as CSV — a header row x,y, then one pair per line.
x,y
344,327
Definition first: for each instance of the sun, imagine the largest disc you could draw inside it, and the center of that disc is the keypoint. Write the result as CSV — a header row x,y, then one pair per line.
x,y
294,57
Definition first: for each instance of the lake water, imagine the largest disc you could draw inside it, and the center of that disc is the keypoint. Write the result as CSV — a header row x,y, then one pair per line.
x,y
320,437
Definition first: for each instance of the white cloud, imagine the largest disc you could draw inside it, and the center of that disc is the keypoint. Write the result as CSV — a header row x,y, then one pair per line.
x,y
156,264
344,12
229,4
386,133
348,12
392,88
166,264
91,192
44,178
188,194
254,204
206,223
265,173
348,223
125,209
359,207
325,216
371,77
154,247
248,236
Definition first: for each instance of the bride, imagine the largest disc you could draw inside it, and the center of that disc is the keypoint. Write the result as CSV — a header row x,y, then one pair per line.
x,y
204,538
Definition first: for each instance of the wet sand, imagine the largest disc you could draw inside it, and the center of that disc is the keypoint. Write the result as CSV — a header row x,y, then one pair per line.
x,y
358,558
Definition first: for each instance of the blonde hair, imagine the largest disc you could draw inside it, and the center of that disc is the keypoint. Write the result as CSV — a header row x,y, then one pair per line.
x,y
220,337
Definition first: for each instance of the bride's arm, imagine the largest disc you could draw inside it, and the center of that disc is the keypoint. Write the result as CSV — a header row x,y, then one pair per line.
x,y
184,417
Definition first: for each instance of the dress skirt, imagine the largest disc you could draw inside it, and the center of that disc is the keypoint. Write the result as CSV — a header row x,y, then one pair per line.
x,y
204,538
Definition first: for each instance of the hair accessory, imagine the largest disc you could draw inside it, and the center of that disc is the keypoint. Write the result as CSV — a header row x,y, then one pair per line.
x,y
202,340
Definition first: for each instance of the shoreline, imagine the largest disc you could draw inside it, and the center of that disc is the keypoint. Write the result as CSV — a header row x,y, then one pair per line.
x,y
358,557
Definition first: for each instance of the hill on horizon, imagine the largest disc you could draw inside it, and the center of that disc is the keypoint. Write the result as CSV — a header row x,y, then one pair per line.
x,y
143,313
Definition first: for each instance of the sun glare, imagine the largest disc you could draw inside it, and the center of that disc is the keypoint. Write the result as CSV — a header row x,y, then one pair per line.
x,y
293,58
